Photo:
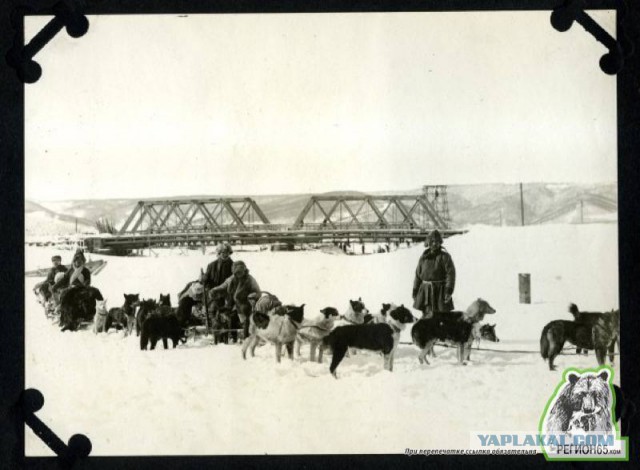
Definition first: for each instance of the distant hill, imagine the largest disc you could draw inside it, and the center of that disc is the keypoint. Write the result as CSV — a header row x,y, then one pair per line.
x,y
490,204
41,220
496,203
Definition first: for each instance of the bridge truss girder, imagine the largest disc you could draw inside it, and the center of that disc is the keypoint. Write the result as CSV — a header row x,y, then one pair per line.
x,y
337,212
185,215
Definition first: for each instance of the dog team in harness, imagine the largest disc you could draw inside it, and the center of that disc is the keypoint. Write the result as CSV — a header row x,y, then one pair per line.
x,y
226,290
229,300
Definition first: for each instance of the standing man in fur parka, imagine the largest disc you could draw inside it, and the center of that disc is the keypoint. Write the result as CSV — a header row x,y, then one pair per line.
x,y
435,278
238,287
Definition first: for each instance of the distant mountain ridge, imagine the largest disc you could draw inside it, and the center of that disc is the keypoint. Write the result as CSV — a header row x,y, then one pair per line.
x,y
491,204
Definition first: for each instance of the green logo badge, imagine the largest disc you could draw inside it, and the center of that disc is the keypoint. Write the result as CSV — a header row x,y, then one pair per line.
x,y
578,422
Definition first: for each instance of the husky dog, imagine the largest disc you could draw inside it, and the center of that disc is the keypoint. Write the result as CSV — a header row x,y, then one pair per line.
x,y
599,331
279,327
123,317
165,300
147,307
163,324
479,332
100,318
131,302
224,322
486,332
263,302
379,317
355,313
453,327
591,318
383,337
313,332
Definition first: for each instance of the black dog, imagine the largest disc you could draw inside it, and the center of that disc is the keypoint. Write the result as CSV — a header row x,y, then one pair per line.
x,y
184,312
453,327
165,300
161,324
598,331
383,337
591,319
147,307
78,304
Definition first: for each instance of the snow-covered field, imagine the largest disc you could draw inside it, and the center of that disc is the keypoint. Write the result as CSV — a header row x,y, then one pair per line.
x,y
204,399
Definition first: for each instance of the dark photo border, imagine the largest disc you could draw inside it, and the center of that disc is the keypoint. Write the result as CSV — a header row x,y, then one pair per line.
x,y
12,225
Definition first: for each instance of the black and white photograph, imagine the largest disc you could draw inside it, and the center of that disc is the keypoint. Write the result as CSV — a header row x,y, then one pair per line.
x,y
335,233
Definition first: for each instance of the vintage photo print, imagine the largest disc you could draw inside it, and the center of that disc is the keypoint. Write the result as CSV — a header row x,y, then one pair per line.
x,y
336,233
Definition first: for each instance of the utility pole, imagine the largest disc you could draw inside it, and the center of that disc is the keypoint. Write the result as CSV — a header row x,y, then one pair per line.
x,y
521,205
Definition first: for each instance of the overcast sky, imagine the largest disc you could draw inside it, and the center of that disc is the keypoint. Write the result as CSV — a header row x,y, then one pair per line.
x,y
152,106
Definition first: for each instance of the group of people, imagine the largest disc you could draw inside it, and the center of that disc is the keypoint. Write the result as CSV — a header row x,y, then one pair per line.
x,y
227,283
61,277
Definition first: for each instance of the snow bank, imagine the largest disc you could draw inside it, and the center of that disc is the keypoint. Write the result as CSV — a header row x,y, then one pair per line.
x,y
201,399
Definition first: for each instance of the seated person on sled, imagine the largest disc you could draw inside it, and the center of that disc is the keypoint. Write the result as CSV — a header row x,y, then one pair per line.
x,y
77,275
57,268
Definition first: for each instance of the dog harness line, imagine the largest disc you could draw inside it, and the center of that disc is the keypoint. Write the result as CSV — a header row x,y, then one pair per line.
x,y
342,317
295,325
394,326
312,326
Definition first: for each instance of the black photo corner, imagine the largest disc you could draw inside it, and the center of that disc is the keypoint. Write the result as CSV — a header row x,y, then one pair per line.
x,y
19,68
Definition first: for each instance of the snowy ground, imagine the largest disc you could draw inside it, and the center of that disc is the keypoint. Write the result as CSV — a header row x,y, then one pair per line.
x,y
203,399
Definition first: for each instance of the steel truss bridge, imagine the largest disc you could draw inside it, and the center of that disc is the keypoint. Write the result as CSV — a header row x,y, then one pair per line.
x,y
324,218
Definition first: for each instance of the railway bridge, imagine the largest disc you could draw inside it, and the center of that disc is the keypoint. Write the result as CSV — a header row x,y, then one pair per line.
x,y
345,217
